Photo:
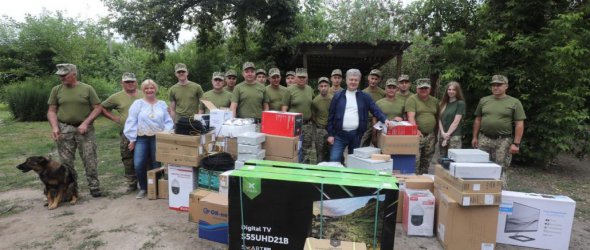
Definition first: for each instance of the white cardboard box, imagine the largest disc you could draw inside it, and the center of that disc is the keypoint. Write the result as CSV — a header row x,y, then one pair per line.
x,y
475,170
233,131
418,212
182,180
353,161
366,152
224,182
217,116
258,156
469,155
251,138
249,149
239,164
535,220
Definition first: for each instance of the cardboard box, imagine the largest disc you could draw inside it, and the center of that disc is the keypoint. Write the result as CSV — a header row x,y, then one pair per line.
x,y
399,144
182,150
381,157
278,158
315,168
162,189
258,156
465,227
404,164
233,131
467,199
402,128
249,149
354,161
182,180
209,179
281,146
411,182
296,193
251,138
213,220
469,155
476,170
418,213
184,140
238,164
325,244
281,123
152,181
194,197
535,220
468,185
217,116
224,182
229,145
366,152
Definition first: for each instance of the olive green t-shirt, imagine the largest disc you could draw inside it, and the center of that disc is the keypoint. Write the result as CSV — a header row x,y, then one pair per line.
x,y
299,100
221,99
73,104
425,112
274,97
320,109
250,98
391,108
448,116
121,102
497,115
332,91
404,98
376,94
186,97
229,90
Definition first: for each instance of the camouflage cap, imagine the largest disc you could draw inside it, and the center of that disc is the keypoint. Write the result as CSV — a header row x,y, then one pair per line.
x,y
290,73
127,76
274,71
499,79
423,83
403,78
375,72
65,68
231,72
260,71
248,65
391,81
180,67
301,72
218,75
336,72
323,79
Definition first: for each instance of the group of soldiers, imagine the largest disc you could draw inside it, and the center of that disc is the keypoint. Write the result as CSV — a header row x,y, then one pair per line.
x,y
74,105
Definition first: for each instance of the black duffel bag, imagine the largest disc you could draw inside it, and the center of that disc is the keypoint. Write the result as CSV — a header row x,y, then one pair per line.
x,y
217,161
189,126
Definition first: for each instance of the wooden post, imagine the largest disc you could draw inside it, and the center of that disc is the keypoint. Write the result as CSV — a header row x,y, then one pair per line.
x,y
398,65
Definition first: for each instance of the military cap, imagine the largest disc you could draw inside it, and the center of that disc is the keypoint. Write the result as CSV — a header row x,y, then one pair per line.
x,y
260,71
274,71
423,83
180,67
499,79
403,78
376,72
218,75
390,81
65,68
248,65
301,72
128,77
230,72
323,79
336,72
290,73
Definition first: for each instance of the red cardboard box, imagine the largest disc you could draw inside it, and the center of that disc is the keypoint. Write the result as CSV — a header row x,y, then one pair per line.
x,y
402,128
281,123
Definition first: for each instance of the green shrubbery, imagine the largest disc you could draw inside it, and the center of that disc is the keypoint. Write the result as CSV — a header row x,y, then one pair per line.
x,y
27,100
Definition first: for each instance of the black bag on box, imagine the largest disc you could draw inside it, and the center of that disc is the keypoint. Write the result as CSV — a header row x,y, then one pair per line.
x,y
217,160
189,126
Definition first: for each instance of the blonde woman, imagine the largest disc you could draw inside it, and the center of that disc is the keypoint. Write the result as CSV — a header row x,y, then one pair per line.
x,y
147,116
452,111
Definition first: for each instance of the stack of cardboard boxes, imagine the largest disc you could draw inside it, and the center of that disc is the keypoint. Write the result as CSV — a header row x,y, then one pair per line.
x,y
362,158
402,142
283,131
250,147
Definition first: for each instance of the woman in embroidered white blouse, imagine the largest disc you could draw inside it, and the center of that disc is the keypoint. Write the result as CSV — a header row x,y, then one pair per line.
x,y
146,117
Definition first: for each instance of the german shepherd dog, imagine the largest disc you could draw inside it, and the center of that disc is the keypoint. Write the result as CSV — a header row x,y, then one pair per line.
x,y
60,184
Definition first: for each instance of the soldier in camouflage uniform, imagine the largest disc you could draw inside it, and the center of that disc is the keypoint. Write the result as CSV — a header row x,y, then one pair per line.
x,y
376,93
494,117
422,111
231,78
298,99
218,96
319,115
261,76
71,117
121,101
290,78
274,91
336,79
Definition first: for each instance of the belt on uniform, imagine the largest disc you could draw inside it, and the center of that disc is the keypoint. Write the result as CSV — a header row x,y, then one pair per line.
x,y
494,137
72,124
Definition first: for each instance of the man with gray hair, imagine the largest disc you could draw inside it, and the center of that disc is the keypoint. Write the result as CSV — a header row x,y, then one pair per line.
x,y
347,119
73,106
121,101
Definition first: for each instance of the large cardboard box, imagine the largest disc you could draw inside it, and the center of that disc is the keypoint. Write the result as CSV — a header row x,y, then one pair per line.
x,y
217,116
251,138
282,146
468,185
182,150
282,123
418,212
404,164
315,168
213,218
402,128
325,244
468,155
366,152
232,131
298,196
535,220
399,144
162,189
467,199
462,228
194,197
354,161
184,140
182,180
152,180
411,182
475,170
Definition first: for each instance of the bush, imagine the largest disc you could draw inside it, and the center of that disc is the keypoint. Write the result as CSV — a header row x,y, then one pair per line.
x,y
103,87
27,100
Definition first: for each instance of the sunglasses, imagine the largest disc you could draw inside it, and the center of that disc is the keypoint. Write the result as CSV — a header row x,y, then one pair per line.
x,y
180,72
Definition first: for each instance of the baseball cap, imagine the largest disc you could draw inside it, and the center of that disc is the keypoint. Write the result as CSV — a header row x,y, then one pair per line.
x,y
423,83
180,67
390,81
290,73
499,79
127,76
274,71
336,72
248,65
403,78
218,75
230,72
323,79
260,71
301,72
65,68
375,72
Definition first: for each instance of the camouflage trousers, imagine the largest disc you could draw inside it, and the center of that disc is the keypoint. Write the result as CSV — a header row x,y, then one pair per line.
x,y
367,138
306,143
322,148
427,144
67,143
453,142
127,159
499,150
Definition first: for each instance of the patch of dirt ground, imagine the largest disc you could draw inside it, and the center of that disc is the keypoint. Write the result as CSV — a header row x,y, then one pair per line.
x,y
124,222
